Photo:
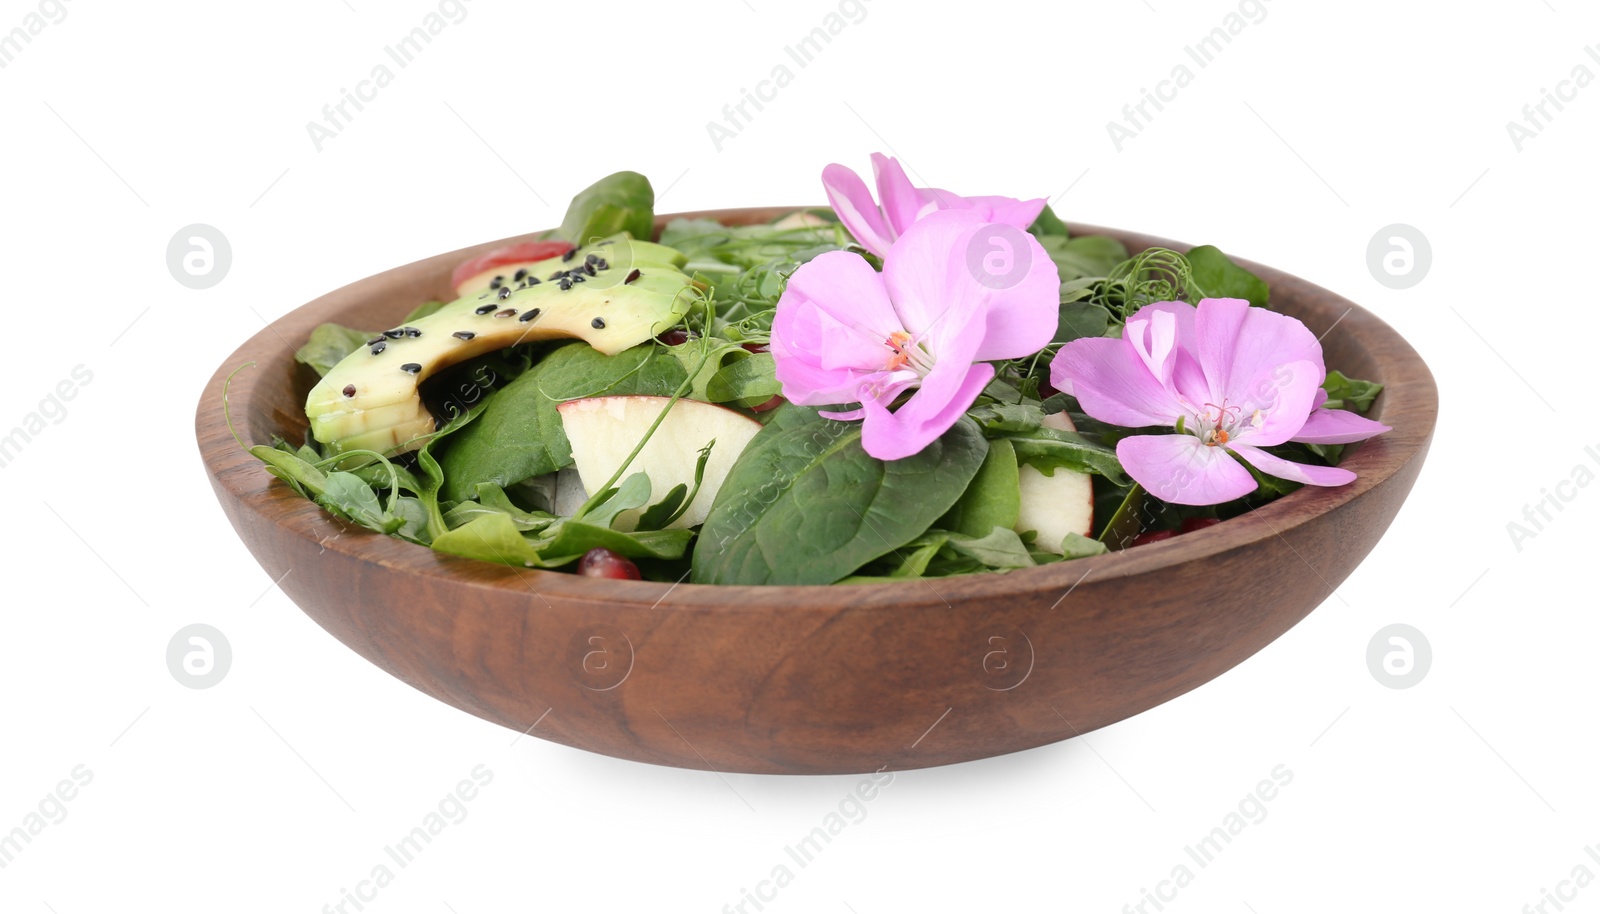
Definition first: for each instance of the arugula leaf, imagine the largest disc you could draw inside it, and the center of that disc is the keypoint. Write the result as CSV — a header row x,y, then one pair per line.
x,y
805,504
1000,548
494,538
634,493
520,433
1218,277
1078,546
1348,393
622,202
328,346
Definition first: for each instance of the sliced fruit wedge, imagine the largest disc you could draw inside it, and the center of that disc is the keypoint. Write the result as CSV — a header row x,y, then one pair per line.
x,y
1055,505
613,295
605,430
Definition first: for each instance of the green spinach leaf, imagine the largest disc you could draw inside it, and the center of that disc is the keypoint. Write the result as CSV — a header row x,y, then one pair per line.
x,y
805,504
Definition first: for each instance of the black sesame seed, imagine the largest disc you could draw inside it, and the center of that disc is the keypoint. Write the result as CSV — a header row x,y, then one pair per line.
x,y
588,268
533,281
509,312
600,264
379,346
569,255
529,315
463,334
565,284
413,332
577,276
557,274
495,282
485,309
349,390
631,277
411,368
394,334
505,293
375,340
598,323
592,259
520,275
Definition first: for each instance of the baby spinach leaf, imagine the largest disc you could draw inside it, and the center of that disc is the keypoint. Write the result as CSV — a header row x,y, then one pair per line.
x,y
632,494
520,435
1044,449
994,499
1048,223
806,504
1085,255
747,382
1218,277
328,346
622,202
1081,319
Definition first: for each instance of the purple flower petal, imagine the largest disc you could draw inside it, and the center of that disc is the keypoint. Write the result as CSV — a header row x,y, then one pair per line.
x,y
1279,401
1337,426
1008,210
945,396
853,203
941,301
1238,344
797,337
1111,384
898,196
1298,472
860,317
1182,470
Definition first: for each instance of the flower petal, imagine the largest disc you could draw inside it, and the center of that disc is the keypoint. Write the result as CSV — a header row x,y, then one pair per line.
x,y
1238,344
797,360
853,203
1181,470
1280,400
860,317
1112,384
901,203
1299,472
937,289
1337,426
1008,210
946,394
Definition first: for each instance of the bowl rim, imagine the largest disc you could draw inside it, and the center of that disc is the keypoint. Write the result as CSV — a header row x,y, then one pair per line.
x,y
1409,403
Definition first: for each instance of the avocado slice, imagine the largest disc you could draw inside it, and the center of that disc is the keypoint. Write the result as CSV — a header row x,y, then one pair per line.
x,y
613,295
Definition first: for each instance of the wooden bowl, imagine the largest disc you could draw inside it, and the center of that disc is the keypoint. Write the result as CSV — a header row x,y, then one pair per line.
x,y
810,680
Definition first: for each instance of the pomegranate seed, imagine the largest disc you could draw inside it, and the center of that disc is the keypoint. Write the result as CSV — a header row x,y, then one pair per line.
x,y
1152,536
603,563
674,337
774,403
1191,524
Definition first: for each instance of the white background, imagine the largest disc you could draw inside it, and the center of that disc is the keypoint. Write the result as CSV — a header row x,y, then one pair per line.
x,y
278,789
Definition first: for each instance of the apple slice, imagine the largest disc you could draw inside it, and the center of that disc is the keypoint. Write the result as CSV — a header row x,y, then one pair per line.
x,y
605,430
474,275
1055,505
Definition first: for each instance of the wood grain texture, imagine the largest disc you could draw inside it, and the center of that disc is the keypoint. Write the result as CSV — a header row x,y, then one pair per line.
x,y
810,680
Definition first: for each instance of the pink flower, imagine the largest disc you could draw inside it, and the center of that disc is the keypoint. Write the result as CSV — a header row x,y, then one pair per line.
x,y
1231,380
876,227
929,323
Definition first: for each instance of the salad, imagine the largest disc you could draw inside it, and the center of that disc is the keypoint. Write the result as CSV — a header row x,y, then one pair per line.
x,y
912,384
